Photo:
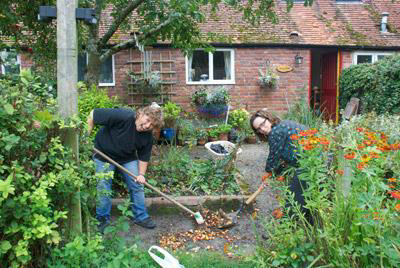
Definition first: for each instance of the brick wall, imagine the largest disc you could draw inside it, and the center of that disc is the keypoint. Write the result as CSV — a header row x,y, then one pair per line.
x,y
245,92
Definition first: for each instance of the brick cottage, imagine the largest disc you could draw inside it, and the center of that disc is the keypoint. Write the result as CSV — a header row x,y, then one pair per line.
x,y
307,49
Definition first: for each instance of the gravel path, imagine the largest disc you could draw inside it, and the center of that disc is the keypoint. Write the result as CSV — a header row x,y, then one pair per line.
x,y
241,239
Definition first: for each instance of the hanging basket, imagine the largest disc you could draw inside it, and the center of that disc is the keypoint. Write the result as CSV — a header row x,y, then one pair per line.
x,y
212,110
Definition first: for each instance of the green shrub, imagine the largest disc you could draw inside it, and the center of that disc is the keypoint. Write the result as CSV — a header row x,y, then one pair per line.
x,y
93,97
377,85
37,175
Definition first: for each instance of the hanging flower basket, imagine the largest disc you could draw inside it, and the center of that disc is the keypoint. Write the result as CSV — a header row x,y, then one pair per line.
x,y
267,78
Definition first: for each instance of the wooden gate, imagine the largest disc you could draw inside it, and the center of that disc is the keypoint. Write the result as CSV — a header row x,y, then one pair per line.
x,y
329,83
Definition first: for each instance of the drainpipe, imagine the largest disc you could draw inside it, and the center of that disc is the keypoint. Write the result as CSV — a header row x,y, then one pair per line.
x,y
384,22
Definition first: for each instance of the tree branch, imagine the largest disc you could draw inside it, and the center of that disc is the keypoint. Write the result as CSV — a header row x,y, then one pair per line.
x,y
132,42
117,22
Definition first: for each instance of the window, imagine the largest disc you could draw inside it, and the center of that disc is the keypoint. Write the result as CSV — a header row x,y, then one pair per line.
x,y
10,62
210,68
107,77
369,57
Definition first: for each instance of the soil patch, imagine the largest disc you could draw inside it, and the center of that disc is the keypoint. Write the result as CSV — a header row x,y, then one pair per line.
x,y
176,229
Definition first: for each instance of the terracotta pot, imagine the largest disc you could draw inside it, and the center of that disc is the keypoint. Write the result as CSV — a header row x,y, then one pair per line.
x,y
223,136
212,139
201,141
251,139
156,133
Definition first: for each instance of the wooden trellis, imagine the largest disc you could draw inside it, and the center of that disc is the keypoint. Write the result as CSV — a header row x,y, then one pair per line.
x,y
155,60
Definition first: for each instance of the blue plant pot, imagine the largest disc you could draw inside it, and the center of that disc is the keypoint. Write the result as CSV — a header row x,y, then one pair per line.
x,y
168,133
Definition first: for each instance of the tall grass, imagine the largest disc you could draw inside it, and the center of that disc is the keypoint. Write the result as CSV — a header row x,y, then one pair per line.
x,y
301,112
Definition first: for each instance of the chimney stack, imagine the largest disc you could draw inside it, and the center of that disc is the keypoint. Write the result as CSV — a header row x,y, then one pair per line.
x,y
384,21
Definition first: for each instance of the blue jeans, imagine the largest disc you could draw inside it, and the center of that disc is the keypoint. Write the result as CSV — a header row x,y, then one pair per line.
x,y
136,191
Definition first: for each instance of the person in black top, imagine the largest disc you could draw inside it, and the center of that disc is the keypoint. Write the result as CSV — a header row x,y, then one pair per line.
x,y
282,151
126,137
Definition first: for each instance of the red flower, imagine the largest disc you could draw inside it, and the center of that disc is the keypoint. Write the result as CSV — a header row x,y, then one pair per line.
x,y
277,213
395,194
308,147
360,129
361,165
351,155
266,176
280,178
294,137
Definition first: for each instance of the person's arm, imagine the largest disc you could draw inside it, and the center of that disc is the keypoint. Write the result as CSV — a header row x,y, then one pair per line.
x,y
276,146
90,122
142,171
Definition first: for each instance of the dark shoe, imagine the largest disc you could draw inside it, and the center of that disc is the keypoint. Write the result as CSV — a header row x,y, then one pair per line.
x,y
102,225
146,223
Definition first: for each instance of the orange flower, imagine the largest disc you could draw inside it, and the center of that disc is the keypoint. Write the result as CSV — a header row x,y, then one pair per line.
x,y
350,155
360,129
266,176
392,186
395,146
340,172
277,213
280,178
313,131
397,207
308,147
361,165
373,155
395,194
392,179
324,141
303,133
294,137
368,142
360,146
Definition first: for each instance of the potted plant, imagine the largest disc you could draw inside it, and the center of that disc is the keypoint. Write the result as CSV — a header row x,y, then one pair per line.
x,y
239,118
171,112
186,132
267,78
250,136
224,130
146,83
213,134
202,136
212,103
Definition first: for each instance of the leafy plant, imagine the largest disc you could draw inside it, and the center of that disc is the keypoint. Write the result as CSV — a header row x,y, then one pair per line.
x,y
213,133
171,112
301,112
267,77
186,131
224,128
377,85
239,118
201,133
215,96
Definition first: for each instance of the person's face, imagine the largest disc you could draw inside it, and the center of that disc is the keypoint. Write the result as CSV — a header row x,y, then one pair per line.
x,y
143,123
262,125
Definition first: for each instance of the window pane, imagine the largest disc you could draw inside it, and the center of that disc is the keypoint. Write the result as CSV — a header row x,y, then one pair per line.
x,y
82,62
10,62
382,56
364,59
222,65
199,69
106,72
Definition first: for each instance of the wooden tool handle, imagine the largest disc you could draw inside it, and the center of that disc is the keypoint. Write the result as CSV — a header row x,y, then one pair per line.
x,y
254,195
145,183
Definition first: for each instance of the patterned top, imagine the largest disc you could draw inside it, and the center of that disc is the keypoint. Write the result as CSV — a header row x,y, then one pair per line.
x,y
281,147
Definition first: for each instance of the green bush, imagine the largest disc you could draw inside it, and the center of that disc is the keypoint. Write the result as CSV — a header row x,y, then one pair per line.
x,y
93,97
376,85
37,174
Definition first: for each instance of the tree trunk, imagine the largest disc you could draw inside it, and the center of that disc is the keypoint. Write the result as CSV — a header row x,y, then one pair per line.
x,y
92,76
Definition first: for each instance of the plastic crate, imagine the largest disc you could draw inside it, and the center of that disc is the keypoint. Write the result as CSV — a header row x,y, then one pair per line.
x,y
229,147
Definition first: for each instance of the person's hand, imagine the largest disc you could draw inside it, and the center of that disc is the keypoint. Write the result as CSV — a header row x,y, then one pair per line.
x,y
141,179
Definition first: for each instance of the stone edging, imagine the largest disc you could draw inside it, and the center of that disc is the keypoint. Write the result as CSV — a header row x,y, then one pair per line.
x,y
186,200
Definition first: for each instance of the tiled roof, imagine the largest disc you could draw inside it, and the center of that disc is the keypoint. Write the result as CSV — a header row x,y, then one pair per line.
x,y
327,22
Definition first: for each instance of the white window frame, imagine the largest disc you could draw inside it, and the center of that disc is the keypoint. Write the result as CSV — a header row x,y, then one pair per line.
x,y
3,69
374,55
211,69
113,72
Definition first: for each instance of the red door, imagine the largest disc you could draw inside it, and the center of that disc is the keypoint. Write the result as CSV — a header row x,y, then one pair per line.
x,y
329,80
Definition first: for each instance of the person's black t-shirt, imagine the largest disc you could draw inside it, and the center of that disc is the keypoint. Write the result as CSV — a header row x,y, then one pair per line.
x,y
118,138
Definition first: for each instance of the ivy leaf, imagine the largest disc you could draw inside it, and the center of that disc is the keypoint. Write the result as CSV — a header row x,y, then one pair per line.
x,y
4,246
9,108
